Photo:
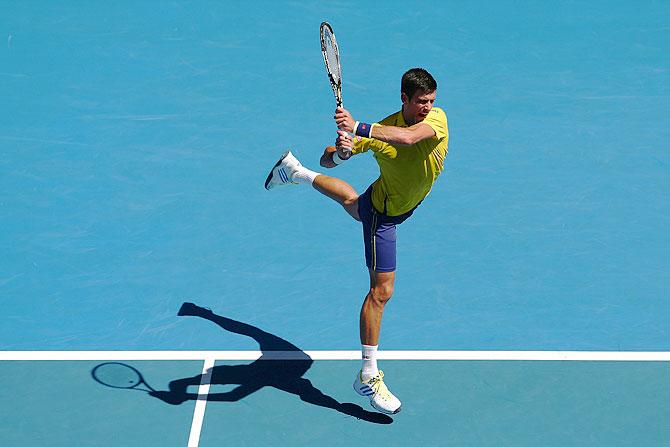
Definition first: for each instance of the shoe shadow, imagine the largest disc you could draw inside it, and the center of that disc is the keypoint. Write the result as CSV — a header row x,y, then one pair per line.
x,y
267,371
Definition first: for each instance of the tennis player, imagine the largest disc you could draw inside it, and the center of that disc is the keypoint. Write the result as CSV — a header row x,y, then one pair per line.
x,y
410,147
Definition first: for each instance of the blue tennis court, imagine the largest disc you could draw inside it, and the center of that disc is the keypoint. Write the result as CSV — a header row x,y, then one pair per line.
x,y
530,305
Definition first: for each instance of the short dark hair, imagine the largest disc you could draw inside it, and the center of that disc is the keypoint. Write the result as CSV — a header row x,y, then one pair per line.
x,y
417,79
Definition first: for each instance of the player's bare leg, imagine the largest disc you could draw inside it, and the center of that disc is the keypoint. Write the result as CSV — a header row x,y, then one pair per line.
x,y
340,191
381,290
370,381
288,170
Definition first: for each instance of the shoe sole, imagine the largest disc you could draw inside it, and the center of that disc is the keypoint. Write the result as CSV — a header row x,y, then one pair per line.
x,y
381,410
269,178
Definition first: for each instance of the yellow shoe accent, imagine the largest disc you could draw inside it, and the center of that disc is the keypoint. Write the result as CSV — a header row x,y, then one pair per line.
x,y
380,396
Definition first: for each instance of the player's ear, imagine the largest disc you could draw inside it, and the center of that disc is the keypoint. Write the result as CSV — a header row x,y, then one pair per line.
x,y
404,98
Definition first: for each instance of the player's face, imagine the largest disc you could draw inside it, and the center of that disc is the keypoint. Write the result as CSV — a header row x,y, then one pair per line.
x,y
416,109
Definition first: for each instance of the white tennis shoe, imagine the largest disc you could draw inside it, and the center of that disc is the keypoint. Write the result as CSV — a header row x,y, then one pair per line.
x,y
380,396
282,172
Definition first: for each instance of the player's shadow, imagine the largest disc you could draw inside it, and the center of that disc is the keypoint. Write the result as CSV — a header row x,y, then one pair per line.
x,y
282,374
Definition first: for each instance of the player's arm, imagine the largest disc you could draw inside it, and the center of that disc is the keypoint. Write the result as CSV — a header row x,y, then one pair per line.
x,y
338,154
402,136
326,160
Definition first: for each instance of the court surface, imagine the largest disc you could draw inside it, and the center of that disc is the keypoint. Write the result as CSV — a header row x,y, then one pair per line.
x,y
531,298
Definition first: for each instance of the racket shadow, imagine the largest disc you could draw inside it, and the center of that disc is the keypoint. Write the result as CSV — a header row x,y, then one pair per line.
x,y
285,375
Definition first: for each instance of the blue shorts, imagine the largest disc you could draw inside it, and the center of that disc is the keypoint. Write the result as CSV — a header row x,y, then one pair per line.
x,y
379,234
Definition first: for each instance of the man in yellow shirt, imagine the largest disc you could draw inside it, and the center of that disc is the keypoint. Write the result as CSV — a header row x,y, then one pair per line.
x,y
410,147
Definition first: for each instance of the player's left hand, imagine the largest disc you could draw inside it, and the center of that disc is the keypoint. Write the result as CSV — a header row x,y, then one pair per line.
x,y
344,143
344,120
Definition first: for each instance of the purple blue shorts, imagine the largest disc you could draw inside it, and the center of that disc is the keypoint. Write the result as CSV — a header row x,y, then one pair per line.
x,y
379,234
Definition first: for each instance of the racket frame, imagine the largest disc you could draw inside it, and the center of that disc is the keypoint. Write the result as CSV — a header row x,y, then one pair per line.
x,y
335,85
140,378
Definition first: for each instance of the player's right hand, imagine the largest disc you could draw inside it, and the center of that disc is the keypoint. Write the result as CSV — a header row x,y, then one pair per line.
x,y
344,120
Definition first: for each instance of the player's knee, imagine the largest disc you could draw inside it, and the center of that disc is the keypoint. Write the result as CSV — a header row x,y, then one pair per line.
x,y
350,200
381,293
350,205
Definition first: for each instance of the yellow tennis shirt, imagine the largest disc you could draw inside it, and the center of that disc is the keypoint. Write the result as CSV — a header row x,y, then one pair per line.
x,y
407,173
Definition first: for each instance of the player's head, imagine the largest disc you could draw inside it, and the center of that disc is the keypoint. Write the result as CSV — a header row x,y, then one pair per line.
x,y
417,79
417,93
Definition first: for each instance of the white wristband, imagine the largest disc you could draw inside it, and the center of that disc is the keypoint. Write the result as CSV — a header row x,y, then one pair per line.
x,y
337,160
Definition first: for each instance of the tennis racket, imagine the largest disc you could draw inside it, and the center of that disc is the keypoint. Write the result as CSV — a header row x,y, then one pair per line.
x,y
331,56
120,375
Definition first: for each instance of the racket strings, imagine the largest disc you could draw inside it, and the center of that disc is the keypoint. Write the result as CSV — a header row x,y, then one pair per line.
x,y
117,375
332,56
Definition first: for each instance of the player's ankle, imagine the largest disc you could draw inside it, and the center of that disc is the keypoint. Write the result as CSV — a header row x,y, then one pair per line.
x,y
369,367
304,175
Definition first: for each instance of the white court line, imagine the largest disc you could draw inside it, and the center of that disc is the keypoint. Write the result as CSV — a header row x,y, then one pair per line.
x,y
594,356
201,403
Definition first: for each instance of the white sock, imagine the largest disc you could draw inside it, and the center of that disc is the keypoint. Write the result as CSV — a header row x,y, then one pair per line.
x,y
369,369
304,175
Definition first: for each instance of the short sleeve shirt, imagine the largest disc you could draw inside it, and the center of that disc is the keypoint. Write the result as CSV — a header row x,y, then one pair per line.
x,y
407,173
